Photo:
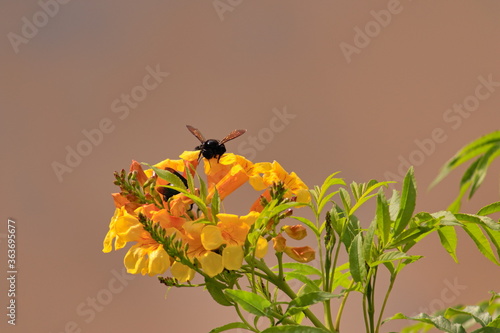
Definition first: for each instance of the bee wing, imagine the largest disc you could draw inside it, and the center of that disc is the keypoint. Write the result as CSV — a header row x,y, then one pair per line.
x,y
196,133
233,135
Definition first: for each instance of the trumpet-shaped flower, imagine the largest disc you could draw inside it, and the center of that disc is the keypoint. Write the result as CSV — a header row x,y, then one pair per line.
x,y
297,232
266,174
301,254
226,175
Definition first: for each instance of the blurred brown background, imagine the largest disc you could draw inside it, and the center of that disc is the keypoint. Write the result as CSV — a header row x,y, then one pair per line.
x,y
313,92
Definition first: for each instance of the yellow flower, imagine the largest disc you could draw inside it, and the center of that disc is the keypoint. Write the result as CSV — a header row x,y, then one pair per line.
x,y
148,259
226,175
234,228
182,272
261,250
266,174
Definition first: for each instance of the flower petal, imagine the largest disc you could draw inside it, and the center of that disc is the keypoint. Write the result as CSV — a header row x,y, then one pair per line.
x,y
211,263
211,237
232,257
182,272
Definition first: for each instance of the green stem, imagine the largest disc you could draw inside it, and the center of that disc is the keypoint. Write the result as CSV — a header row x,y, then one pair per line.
x,y
379,321
341,308
283,286
243,319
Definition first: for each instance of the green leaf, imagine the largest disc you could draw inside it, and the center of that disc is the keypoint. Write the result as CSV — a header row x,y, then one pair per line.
x,y
305,269
371,186
357,260
229,326
482,167
203,189
408,200
295,329
346,199
351,229
481,317
383,218
490,209
215,205
369,246
251,302
169,177
394,204
308,223
216,290
448,238
302,278
439,322
304,301
482,243
471,150
393,256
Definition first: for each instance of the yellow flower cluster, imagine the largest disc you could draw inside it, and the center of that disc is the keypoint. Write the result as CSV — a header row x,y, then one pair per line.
x,y
213,243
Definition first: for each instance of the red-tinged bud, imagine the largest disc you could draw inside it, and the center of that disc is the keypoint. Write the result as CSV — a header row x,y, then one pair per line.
x,y
301,254
141,176
297,232
279,243
119,200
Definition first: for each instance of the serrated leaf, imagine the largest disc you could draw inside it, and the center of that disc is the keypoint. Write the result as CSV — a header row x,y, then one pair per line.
x,y
250,302
482,243
308,223
439,322
305,269
383,218
407,203
346,199
448,238
295,329
393,256
481,317
490,209
216,290
466,153
230,326
169,177
302,278
357,260
304,301
394,204
365,196
215,204
369,242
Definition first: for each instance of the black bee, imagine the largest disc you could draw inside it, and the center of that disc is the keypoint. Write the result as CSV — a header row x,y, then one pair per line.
x,y
213,148
169,192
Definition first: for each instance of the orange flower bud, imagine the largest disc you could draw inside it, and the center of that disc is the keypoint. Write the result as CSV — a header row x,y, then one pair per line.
x,y
279,243
297,232
301,254
141,176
